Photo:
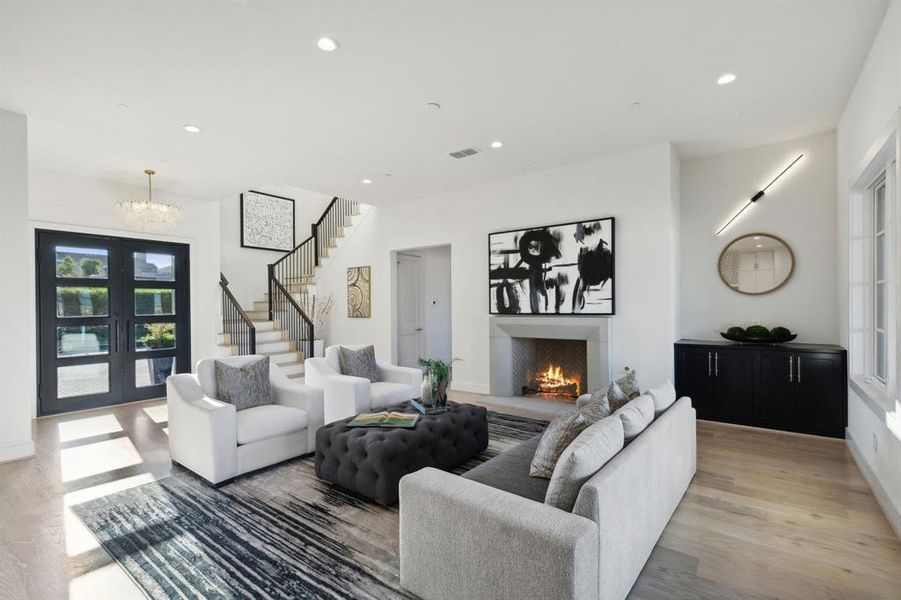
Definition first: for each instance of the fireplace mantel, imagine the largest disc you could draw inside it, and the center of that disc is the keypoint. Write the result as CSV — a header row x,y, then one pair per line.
x,y
595,331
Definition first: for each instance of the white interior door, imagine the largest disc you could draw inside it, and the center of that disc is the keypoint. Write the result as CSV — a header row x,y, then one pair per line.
x,y
409,310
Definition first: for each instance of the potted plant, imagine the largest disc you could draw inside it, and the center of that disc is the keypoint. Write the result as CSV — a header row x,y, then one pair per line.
x,y
435,380
159,336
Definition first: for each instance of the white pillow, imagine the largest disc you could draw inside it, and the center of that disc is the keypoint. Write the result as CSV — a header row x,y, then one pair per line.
x,y
664,395
584,457
636,416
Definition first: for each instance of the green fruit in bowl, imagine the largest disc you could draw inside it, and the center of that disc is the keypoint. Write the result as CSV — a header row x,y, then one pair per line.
x,y
780,332
736,331
757,331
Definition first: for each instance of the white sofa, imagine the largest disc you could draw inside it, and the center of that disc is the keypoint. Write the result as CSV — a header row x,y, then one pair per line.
x,y
218,443
346,396
489,543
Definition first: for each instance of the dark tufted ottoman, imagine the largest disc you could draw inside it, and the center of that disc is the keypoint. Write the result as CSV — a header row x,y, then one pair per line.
x,y
371,460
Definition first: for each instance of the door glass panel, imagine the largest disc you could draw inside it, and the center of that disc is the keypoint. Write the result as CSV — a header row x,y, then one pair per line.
x,y
880,258
154,302
82,380
82,301
82,340
153,371
880,306
154,336
880,207
151,266
880,355
90,263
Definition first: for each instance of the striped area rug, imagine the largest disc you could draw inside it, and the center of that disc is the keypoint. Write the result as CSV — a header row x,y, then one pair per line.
x,y
278,533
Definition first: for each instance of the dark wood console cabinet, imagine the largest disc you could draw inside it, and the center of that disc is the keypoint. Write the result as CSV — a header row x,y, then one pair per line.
x,y
793,387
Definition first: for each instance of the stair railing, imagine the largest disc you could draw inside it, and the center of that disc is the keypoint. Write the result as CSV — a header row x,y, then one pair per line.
x,y
284,309
294,271
235,323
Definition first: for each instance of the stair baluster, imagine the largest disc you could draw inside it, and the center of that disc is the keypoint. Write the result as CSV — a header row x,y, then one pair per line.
x,y
235,322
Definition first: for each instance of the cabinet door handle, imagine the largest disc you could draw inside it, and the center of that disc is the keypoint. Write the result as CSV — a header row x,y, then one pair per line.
x,y
709,367
716,363
791,369
799,369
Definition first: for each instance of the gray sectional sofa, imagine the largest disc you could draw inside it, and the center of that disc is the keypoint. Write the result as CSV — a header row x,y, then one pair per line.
x,y
489,534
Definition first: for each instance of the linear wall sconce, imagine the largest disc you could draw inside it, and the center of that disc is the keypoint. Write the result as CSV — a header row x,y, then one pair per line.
x,y
758,195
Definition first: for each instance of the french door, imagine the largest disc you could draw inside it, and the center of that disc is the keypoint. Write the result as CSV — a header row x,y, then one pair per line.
x,y
113,319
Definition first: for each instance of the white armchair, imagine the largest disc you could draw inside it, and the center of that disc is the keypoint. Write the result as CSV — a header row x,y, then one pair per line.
x,y
210,438
346,396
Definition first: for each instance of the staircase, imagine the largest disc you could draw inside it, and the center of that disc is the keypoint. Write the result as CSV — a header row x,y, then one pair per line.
x,y
276,325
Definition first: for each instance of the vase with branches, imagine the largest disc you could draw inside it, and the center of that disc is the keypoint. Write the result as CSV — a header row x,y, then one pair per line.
x,y
437,375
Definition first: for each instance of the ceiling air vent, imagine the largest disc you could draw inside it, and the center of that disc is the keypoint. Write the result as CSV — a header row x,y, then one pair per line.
x,y
464,152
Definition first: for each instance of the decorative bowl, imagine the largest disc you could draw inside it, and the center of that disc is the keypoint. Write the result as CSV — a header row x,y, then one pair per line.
x,y
758,340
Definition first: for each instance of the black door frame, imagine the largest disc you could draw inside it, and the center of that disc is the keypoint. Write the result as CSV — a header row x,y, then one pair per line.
x,y
122,352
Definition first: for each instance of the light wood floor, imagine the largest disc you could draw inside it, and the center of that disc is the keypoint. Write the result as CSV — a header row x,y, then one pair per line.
x,y
768,515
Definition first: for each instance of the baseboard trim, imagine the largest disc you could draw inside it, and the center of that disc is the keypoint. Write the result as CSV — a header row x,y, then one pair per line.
x,y
882,498
16,452
474,388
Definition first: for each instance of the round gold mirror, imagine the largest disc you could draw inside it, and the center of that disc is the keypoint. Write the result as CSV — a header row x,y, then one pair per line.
x,y
756,263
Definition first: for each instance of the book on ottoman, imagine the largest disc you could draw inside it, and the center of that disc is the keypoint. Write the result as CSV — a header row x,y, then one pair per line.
x,y
385,419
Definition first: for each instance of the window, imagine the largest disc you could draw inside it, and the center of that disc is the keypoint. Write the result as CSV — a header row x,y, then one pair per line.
x,y
880,256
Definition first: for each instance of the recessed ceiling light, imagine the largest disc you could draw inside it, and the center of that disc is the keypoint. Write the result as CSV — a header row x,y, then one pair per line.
x,y
497,144
760,245
726,78
191,128
367,181
327,44
756,237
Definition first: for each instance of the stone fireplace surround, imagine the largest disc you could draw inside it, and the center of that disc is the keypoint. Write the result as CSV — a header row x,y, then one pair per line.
x,y
506,377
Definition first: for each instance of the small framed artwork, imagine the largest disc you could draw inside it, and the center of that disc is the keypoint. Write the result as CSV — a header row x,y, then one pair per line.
x,y
267,222
565,269
359,299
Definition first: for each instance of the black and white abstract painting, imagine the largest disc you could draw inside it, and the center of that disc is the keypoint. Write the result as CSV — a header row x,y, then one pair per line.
x,y
553,270
267,222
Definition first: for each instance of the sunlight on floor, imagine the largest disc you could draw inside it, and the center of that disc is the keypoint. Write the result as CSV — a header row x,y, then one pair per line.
x,y
78,538
158,414
109,582
99,457
88,427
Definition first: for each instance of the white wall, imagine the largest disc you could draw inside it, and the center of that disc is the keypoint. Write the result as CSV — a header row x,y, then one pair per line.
x,y
17,344
871,113
799,208
246,268
74,203
635,187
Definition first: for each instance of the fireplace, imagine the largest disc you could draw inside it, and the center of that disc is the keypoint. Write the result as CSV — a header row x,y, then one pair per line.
x,y
551,368
552,357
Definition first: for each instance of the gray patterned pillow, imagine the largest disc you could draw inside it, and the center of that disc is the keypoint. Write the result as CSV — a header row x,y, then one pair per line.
x,y
616,397
359,363
629,384
245,387
597,407
558,435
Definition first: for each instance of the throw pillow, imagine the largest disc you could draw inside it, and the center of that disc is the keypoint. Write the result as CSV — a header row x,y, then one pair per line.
x,y
359,363
664,395
636,416
595,410
558,435
584,457
629,384
616,397
244,387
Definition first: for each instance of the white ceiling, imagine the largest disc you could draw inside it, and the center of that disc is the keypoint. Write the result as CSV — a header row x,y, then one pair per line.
x,y
554,80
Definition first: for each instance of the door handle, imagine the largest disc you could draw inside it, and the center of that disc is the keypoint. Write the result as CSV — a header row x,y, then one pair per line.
x,y
799,369
791,368
419,329
716,364
116,337
709,367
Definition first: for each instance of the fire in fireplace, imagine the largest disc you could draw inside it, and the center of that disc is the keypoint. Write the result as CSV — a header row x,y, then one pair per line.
x,y
554,382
